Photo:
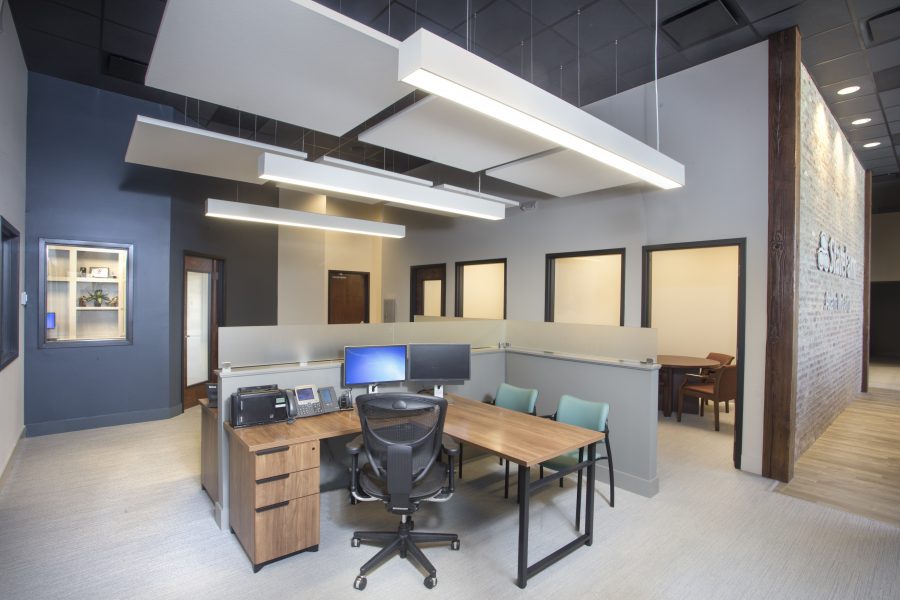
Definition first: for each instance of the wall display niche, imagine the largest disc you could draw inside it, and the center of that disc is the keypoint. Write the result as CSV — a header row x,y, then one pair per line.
x,y
85,293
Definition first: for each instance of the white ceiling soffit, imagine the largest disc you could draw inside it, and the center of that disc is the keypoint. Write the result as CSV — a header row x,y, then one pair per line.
x,y
440,67
166,145
476,194
446,132
290,60
562,173
346,164
355,184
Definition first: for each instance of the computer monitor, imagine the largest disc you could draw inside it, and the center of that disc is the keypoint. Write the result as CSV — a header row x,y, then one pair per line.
x,y
439,363
372,365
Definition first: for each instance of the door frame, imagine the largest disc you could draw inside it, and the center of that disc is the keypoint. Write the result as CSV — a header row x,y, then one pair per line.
x,y
458,295
216,316
741,244
550,279
366,275
413,288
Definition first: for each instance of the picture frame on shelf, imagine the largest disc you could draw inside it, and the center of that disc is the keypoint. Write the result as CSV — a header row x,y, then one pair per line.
x,y
100,272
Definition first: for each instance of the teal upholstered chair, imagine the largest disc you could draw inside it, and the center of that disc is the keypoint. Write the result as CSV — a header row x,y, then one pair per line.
x,y
513,398
520,400
590,415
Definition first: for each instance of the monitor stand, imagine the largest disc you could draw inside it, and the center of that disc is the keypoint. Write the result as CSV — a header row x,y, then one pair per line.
x,y
438,391
373,388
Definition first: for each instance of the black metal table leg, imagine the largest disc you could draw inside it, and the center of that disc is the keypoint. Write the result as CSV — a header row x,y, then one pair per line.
x,y
589,507
524,501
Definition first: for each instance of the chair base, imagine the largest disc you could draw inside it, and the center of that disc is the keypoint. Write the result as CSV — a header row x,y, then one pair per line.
x,y
403,541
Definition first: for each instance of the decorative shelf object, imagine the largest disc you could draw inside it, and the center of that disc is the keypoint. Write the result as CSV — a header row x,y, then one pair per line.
x,y
79,310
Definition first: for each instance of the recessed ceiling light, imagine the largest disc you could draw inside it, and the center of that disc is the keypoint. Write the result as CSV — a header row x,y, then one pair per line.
x,y
871,144
861,121
848,90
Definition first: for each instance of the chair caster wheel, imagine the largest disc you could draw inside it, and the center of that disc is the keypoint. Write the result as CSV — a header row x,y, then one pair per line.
x,y
359,583
454,545
355,543
430,581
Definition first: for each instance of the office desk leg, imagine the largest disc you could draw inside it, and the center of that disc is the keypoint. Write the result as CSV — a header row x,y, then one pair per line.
x,y
524,501
589,508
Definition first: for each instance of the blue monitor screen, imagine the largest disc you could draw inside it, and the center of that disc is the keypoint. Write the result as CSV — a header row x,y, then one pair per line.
x,y
365,365
51,320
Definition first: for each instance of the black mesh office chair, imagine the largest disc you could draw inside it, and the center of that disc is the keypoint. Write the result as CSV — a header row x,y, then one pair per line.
x,y
402,437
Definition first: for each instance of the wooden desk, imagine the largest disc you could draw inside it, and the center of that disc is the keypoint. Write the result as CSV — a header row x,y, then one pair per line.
x,y
276,457
209,448
674,362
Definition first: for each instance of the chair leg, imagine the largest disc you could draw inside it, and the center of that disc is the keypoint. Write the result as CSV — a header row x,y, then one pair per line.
x,y
702,403
460,459
612,487
726,406
716,402
680,404
578,500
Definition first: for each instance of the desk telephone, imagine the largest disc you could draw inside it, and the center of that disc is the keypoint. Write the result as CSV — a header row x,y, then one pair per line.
x,y
309,401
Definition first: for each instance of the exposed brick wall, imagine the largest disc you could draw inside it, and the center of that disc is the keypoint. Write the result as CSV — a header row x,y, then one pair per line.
x,y
830,309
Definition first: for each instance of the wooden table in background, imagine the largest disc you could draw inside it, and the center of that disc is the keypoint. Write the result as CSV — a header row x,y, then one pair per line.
x,y
674,362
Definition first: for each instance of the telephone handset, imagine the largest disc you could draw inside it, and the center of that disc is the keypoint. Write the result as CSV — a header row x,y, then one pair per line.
x,y
309,401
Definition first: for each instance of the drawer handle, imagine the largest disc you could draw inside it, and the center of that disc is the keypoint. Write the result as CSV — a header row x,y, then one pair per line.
x,y
273,450
273,478
273,506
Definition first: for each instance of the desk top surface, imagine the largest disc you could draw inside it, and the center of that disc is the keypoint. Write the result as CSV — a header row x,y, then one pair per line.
x,y
687,362
521,438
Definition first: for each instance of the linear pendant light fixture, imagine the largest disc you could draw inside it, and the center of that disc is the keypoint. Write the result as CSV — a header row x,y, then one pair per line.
x,y
255,213
440,67
357,183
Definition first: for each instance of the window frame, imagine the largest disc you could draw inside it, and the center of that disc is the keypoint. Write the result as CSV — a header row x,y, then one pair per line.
x,y
10,287
458,292
550,279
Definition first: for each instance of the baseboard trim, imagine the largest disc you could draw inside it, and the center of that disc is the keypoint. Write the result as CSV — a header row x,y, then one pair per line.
x,y
9,459
66,425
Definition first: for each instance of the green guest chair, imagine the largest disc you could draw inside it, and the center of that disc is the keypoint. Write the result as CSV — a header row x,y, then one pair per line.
x,y
590,415
513,398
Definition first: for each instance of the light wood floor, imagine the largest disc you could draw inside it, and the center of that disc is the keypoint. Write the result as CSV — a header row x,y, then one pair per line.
x,y
855,464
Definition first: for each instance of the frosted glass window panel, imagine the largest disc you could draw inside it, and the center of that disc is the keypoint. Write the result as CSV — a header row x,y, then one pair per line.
x,y
483,291
433,291
588,289
694,300
197,314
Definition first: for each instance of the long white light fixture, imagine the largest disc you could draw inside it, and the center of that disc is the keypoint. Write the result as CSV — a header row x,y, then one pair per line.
x,y
255,213
440,67
328,178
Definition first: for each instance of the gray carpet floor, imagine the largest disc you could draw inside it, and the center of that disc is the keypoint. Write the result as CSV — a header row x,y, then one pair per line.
x,y
118,513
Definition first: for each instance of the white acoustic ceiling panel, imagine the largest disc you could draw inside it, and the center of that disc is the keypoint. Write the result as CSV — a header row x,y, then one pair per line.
x,y
166,145
562,173
290,60
450,134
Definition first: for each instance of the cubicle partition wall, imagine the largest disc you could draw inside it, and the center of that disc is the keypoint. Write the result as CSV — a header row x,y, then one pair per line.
x,y
590,361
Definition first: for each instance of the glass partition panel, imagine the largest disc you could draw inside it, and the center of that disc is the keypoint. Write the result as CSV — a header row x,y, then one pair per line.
x,y
477,332
629,343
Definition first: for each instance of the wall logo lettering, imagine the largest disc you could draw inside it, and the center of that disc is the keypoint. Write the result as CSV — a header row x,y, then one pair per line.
x,y
835,302
832,257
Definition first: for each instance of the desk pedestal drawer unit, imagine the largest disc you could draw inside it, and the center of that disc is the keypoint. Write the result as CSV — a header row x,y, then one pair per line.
x,y
209,447
274,499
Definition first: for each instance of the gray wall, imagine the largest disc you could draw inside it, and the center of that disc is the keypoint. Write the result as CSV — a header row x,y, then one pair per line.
x,y
720,135
79,188
13,101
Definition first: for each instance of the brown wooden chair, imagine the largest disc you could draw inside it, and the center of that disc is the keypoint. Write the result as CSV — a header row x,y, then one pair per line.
x,y
722,359
720,387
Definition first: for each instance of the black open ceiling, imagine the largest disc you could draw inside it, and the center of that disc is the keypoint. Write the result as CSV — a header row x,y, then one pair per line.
x,y
581,50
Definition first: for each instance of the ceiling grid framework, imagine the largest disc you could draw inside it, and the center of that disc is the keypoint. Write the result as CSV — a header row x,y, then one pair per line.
x,y
845,42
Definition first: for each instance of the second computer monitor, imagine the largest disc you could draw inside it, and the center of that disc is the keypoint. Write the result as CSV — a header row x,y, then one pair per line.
x,y
439,363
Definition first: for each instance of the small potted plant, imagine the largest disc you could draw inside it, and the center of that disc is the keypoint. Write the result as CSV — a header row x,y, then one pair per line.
x,y
98,297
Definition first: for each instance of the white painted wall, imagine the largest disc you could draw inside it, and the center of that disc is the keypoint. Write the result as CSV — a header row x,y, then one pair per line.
x,y
713,118
306,255
886,247
694,303
587,289
13,109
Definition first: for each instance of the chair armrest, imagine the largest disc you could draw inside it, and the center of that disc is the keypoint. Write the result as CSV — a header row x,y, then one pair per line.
x,y
355,446
449,445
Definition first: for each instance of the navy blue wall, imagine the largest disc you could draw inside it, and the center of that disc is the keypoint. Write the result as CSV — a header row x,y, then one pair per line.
x,y
80,188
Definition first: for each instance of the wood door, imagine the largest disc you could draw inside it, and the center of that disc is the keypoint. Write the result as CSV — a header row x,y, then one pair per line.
x,y
427,293
203,308
348,297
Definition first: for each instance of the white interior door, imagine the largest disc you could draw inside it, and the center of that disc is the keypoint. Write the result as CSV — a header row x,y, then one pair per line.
x,y
197,313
